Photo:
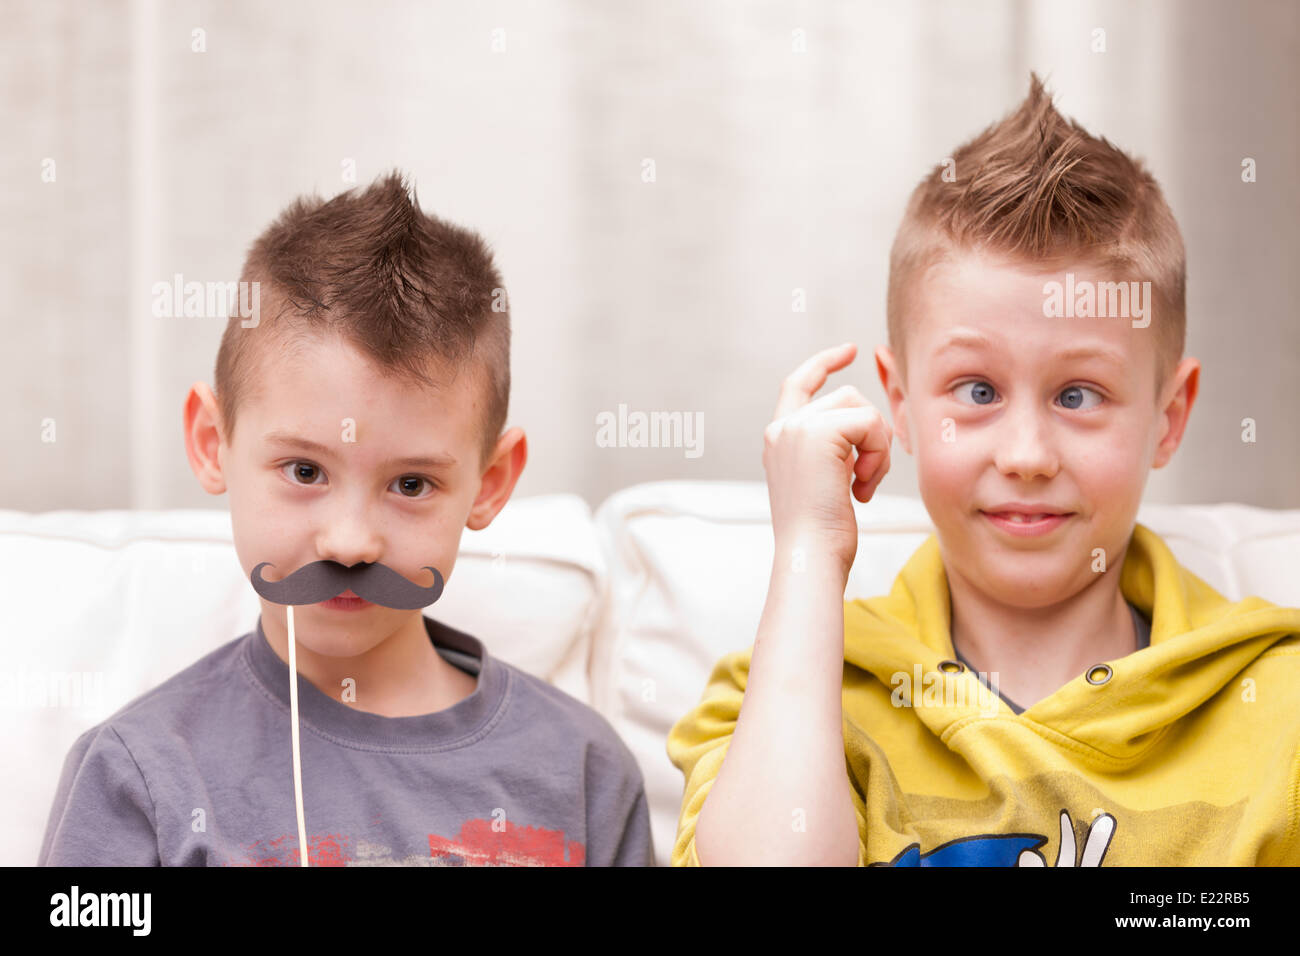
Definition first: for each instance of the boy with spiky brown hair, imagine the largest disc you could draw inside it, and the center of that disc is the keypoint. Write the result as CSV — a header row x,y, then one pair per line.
x,y
1045,684
357,425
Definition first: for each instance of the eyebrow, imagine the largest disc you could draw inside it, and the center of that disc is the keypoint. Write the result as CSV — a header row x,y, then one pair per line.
x,y
417,461
967,339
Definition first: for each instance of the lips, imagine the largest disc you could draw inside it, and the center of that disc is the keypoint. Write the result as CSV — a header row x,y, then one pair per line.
x,y
1013,510
1022,520
346,601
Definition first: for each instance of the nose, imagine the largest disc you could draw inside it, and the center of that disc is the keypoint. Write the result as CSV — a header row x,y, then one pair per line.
x,y
347,533
1026,444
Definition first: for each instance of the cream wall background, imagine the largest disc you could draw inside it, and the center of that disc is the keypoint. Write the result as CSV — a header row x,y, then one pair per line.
x,y
775,171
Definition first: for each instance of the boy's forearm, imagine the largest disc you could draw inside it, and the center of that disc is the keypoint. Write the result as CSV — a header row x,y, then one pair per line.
x,y
782,795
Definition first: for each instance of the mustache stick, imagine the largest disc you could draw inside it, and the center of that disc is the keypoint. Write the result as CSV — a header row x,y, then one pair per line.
x,y
320,581
293,727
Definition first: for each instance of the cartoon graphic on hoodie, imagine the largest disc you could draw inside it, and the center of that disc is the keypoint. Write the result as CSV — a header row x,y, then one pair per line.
x,y
1015,849
1185,752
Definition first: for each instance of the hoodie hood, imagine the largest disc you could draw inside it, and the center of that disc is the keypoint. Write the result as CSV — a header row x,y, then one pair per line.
x,y
1200,642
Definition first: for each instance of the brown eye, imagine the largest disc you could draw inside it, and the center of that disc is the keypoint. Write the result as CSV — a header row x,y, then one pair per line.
x,y
303,470
413,483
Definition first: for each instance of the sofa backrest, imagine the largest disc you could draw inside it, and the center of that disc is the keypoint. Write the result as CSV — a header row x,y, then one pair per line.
x,y
689,565
101,606
627,609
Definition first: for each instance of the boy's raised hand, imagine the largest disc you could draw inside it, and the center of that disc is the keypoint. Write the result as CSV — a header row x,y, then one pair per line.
x,y
812,449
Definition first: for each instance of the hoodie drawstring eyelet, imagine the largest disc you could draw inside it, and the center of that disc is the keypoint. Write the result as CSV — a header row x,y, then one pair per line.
x,y
1098,674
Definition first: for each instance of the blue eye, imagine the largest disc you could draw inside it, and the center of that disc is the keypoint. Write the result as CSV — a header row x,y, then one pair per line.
x,y
982,393
1076,403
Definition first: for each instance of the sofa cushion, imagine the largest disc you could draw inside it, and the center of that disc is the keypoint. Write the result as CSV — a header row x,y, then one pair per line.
x,y
111,603
689,566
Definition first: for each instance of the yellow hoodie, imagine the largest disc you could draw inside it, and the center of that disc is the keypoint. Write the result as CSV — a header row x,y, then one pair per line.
x,y
1188,754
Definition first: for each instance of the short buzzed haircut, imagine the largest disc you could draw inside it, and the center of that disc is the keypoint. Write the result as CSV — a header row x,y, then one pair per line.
x,y
417,295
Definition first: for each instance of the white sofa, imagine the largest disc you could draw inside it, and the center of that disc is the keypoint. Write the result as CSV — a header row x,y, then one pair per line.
x,y
627,609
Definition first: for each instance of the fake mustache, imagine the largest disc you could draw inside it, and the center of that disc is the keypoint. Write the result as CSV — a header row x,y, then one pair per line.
x,y
322,580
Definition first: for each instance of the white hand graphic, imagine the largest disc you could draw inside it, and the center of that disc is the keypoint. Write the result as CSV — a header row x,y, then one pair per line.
x,y
1099,834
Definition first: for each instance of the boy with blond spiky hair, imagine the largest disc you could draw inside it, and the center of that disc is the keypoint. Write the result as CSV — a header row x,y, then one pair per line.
x,y
1045,684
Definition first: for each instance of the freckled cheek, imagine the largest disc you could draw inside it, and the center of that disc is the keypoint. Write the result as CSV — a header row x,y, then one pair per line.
x,y
415,556
946,452
946,476
1108,470
435,538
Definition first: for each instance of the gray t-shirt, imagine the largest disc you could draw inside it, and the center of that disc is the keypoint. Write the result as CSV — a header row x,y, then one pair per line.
x,y
1142,625
199,772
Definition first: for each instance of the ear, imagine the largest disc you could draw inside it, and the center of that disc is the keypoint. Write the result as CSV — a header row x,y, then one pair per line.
x,y
1179,394
203,438
499,478
896,392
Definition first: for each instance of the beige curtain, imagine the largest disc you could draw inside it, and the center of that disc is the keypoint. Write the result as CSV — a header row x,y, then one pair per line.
x,y
785,138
